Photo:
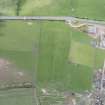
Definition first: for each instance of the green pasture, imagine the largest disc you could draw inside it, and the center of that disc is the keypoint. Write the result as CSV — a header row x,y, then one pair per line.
x,y
58,46
93,9
17,43
17,97
64,57
82,54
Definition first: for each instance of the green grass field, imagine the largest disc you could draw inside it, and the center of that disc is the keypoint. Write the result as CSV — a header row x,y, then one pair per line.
x,y
17,97
93,9
65,58
59,45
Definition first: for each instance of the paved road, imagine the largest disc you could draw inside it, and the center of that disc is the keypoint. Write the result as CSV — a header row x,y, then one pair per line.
x,y
51,18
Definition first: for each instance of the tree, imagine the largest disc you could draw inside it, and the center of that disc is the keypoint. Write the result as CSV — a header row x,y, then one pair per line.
x,y
19,4
14,5
2,23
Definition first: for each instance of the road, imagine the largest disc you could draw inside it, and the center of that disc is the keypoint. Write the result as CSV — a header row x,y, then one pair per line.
x,y
51,18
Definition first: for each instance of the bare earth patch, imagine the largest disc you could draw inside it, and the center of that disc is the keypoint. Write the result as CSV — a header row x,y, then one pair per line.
x,y
12,77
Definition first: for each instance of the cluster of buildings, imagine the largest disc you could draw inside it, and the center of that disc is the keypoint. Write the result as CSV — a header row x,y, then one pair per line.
x,y
98,33
97,95
95,31
99,79
99,87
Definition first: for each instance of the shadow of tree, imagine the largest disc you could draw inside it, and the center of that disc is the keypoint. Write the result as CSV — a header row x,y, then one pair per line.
x,y
19,4
2,24
14,5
